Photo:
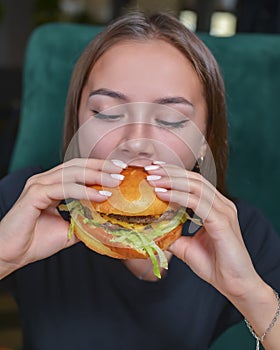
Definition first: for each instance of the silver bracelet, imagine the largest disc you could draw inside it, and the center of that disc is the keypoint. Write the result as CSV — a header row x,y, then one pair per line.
x,y
269,328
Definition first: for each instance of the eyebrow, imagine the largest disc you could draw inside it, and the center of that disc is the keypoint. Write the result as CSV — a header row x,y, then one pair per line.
x,y
174,100
109,93
120,96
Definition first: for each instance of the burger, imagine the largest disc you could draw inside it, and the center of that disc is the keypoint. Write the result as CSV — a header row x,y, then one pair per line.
x,y
133,223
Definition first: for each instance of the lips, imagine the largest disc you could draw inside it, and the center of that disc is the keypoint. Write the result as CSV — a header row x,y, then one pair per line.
x,y
139,162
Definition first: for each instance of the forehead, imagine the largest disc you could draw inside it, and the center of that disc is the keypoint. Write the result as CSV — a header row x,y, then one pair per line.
x,y
150,61
138,53
150,48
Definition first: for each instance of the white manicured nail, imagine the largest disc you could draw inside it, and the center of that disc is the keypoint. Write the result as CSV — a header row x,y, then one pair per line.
x,y
160,189
105,193
153,177
151,167
159,162
117,176
119,163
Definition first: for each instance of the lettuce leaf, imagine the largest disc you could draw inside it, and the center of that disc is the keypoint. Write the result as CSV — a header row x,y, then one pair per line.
x,y
143,241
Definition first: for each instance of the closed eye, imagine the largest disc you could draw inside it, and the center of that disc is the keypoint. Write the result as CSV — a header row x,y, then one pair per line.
x,y
107,117
171,125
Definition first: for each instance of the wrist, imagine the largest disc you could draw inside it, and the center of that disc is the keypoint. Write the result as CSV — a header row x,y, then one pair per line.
x,y
254,292
6,269
261,309
261,338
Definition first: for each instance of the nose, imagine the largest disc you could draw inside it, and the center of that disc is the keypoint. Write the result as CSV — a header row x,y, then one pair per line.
x,y
138,141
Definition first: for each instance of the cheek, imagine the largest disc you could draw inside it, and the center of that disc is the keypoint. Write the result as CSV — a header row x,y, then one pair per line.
x,y
184,146
176,151
95,141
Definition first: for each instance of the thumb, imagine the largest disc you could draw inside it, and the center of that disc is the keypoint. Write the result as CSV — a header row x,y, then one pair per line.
x,y
180,248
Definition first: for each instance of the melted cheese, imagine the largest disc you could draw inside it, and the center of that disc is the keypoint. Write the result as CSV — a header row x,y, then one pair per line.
x,y
134,226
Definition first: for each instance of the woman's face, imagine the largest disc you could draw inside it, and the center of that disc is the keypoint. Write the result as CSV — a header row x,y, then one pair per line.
x,y
143,102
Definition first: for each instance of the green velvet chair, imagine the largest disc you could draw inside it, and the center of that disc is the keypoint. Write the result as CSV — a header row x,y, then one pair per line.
x,y
250,65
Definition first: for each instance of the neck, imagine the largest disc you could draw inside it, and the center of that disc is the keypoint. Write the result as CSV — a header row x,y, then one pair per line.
x,y
143,268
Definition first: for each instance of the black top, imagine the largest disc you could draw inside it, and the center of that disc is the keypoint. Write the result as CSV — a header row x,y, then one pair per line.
x,y
78,299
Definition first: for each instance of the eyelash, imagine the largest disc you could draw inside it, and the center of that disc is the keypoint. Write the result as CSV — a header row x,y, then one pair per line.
x,y
108,117
172,125
162,123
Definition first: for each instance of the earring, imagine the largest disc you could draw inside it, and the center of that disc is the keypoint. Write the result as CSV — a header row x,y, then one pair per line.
x,y
198,164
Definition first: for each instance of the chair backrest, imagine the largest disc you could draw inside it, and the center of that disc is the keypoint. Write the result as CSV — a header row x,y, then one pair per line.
x,y
251,68
250,64
51,54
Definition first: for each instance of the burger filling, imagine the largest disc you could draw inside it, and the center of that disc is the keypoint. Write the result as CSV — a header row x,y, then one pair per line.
x,y
137,232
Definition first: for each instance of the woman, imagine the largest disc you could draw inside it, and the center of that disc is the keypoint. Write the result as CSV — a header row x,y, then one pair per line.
x,y
76,298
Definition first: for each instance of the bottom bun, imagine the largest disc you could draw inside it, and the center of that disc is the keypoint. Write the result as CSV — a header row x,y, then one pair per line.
x,y
121,251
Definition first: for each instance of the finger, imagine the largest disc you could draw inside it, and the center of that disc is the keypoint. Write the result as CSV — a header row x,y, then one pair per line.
x,y
181,248
175,183
199,205
79,166
217,215
189,183
89,177
77,174
169,170
57,238
174,177
194,253
198,186
104,165
42,196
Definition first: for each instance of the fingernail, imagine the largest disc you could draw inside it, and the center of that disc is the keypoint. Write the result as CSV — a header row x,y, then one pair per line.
x,y
119,163
159,162
160,189
153,177
105,193
117,176
151,167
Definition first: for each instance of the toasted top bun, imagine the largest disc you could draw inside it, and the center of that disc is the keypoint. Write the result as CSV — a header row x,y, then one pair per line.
x,y
134,196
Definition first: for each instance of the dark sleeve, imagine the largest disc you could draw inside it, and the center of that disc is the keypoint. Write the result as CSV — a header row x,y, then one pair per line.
x,y
263,244
11,187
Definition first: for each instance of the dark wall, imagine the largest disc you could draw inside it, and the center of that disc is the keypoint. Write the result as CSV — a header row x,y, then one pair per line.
x,y
258,16
17,22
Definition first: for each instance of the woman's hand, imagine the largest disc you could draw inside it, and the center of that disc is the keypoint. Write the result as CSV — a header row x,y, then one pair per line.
x,y
33,229
216,253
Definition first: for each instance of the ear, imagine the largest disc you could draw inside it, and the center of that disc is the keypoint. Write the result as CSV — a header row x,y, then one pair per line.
x,y
203,150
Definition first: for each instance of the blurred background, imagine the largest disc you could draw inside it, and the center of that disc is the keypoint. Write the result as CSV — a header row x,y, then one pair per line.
x,y
18,18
